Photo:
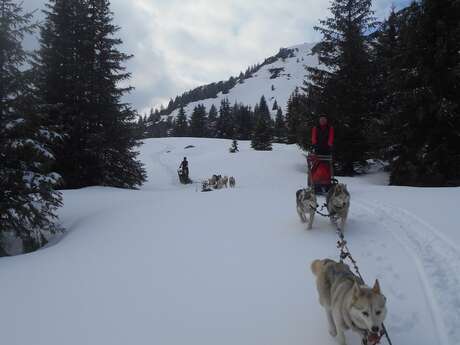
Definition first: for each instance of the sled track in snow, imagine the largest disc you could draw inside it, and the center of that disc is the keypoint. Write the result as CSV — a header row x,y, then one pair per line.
x,y
437,261
159,157
170,171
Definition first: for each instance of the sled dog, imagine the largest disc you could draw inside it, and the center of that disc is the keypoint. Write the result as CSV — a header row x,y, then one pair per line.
x,y
220,182
338,204
232,182
225,181
349,304
306,204
212,181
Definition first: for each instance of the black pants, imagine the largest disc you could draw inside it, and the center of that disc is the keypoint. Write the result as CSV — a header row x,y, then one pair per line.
x,y
323,151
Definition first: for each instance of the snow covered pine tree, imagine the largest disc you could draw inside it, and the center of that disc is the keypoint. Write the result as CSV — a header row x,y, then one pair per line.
x,y
234,147
28,200
79,52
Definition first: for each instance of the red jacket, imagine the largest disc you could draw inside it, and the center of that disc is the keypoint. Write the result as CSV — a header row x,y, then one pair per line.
x,y
315,136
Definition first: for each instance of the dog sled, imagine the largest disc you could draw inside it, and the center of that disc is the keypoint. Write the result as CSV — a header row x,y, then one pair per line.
x,y
183,177
320,172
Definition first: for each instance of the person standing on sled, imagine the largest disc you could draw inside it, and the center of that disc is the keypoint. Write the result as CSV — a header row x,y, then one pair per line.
x,y
184,167
322,139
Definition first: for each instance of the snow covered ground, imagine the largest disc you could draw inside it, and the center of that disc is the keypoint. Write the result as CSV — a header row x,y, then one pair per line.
x,y
170,265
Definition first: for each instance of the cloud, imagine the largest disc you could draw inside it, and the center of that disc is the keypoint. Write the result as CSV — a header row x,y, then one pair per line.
x,y
180,44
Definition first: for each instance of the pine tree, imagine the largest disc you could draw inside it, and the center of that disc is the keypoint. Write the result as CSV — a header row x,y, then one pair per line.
x,y
115,161
169,126
262,138
225,122
263,132
385,54
300,118
262,109
154,116
57,65
292,117
275,105
180,124
28,201
141,127
425,86
280,131
234,147
211,129
79,53
341,87
198,122
243,122
236,117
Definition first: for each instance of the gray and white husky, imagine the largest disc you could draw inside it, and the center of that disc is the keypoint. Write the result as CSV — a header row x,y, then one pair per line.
x,y
306,204
338,204
349,304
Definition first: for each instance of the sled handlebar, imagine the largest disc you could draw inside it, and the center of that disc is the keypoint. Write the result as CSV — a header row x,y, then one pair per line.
x,y
326,158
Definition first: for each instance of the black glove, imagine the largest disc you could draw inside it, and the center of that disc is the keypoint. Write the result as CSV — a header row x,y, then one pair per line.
x,y
314,148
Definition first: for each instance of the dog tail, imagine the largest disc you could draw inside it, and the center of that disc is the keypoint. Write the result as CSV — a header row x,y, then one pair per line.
x,y
317,266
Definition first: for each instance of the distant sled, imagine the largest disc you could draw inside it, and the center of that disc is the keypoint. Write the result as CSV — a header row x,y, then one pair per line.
x,y
183,178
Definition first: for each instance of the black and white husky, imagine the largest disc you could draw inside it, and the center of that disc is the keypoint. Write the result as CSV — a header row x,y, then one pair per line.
x,y
306,204
338,204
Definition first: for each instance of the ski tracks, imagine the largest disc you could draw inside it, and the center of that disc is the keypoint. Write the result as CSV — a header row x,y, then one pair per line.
x,y
437,261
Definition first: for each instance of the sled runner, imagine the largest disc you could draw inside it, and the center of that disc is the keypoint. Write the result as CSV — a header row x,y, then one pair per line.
x,y
320,172
183,178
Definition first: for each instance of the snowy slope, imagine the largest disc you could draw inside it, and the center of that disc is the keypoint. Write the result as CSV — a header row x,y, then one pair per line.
x,y
169,265
292,75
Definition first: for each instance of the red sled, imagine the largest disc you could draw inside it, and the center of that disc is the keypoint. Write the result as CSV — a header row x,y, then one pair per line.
x,y
320,172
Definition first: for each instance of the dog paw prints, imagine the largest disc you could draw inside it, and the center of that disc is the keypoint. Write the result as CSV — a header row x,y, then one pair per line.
x,y
405,323
368,253
401,296
394,274
389,268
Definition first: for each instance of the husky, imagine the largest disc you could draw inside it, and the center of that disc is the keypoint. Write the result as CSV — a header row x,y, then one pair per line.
x,y
219,182
225,181
338,204
232,182
212,181
306,204
205,186
349,304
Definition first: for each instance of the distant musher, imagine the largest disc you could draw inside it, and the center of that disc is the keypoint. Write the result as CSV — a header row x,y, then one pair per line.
x,y
184,168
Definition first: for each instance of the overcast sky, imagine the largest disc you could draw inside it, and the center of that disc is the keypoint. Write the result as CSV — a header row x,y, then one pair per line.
x,y
181,44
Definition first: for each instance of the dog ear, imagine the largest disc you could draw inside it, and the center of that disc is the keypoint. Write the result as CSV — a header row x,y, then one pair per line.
x,y
376,288
356,291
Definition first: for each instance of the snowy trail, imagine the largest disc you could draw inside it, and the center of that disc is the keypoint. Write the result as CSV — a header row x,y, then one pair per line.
x,y
171,266
437,261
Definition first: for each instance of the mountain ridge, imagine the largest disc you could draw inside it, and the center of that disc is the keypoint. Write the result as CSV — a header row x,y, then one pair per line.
x,y
276,78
